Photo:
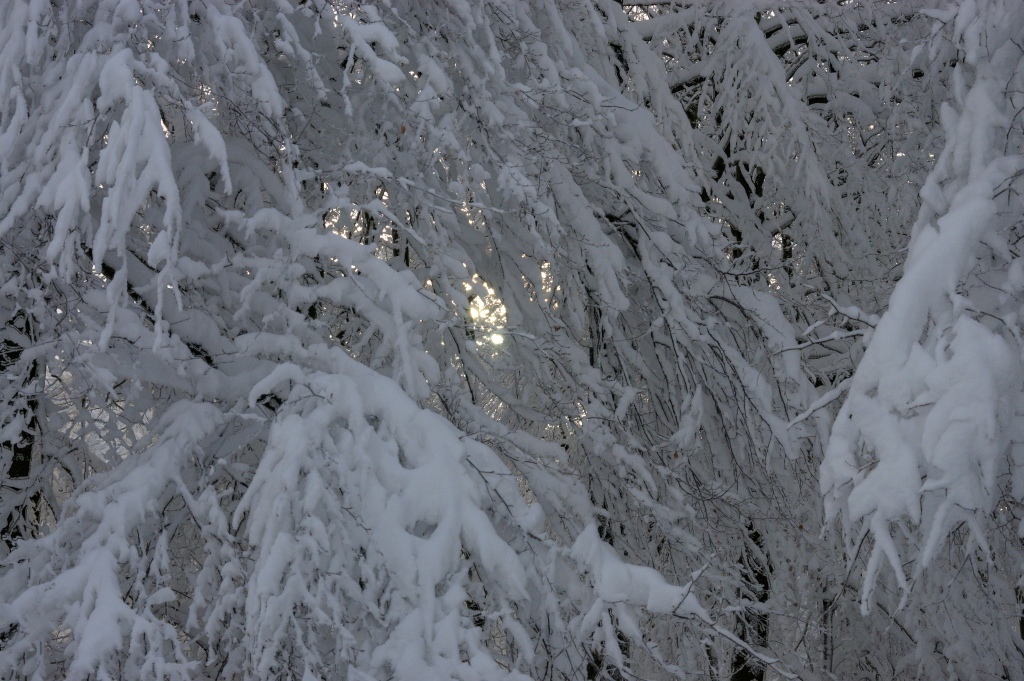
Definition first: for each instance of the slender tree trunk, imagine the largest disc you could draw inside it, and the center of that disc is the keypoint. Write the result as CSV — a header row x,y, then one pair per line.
x,y
753,625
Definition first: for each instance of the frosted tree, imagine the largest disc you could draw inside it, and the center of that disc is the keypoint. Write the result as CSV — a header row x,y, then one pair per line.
x,y
923,466
450,340
258,421
813,126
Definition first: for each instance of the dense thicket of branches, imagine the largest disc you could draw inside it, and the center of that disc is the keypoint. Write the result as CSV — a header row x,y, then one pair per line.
x,y
431,339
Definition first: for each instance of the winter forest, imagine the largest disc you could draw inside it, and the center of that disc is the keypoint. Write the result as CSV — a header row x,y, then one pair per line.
x,y
428,340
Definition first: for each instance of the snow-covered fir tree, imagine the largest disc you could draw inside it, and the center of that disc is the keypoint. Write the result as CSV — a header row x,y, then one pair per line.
x,y
432,339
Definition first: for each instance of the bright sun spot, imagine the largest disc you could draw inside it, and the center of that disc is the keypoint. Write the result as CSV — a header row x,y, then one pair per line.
x,y
487,314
